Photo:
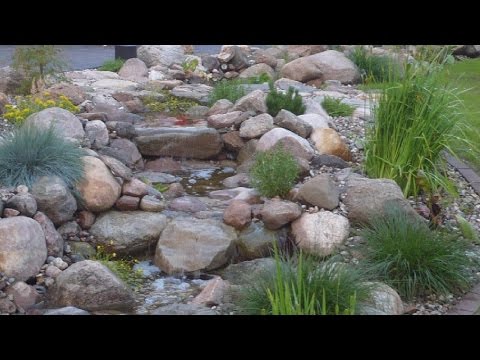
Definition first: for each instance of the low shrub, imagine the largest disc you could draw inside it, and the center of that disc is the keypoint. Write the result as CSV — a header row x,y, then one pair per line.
x,y
28,153
112,65
335,107
274,172
290,101
413,259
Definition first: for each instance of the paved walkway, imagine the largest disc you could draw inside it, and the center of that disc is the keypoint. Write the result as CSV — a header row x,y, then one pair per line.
x,y
470,304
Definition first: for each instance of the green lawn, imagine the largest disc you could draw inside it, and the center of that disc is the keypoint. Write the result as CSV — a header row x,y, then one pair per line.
x,y
466,75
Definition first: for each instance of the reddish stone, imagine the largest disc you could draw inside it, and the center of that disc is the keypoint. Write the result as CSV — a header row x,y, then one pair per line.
x,y
8,212
238,214
127,203
134,187
85,219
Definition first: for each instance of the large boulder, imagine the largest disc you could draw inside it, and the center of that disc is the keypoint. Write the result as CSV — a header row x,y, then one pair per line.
x,y
238,214
255,241
291,142
244,272
135,70
197,92
164,55
189,142
112,85
97,133
257,70
320,191
25,203
290,121
90,286
383,301
367,199
128,231
99,189
23,250
53,239
125,151
54,199
305,50
327,141
73,92
256,126
320,233
254,102
276,213
189,245
24,295
63,121
327,65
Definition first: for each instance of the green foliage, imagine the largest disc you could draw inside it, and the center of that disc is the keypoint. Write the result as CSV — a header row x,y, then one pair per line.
x,y
190,66
112,65
302,285
28,153
290,101
415,121
467,229
227,89
335,107
274,172
170,104
373,68
260,79
31,104
161,187
35,63
123,268
465,75
413,259
436,54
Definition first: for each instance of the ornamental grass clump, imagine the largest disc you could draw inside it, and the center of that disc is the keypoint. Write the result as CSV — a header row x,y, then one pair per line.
x,y
29,152
335,107
413,259
415,121
302,285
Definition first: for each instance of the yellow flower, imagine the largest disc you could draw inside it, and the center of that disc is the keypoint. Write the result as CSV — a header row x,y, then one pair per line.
x,y
114,254
111,242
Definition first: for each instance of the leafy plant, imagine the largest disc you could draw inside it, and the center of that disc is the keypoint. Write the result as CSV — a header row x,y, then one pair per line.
x,y
290,101
28,153
31,104
436,54
170,104
227,89
467,229
375,69
415,121
412,258
190,66
335,107
274,172
260,79
302,285
123,268
36,62
112,65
